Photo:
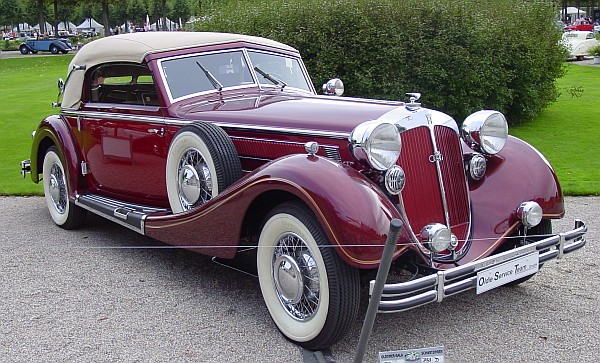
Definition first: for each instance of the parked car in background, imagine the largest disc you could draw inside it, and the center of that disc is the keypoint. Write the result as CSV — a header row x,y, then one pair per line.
x,y
560,25
579,43
596,29
52,45
582,25
219,143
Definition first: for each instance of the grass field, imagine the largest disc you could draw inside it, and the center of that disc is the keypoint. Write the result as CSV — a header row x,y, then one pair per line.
x,y
28,86
566,133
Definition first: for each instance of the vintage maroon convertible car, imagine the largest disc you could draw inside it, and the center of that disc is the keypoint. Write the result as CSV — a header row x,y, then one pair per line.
x,y
218,143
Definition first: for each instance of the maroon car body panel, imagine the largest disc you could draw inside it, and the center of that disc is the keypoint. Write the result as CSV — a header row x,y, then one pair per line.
x,y
126,156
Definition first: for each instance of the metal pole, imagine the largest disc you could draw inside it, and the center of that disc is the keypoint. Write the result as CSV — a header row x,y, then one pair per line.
x,y
382,272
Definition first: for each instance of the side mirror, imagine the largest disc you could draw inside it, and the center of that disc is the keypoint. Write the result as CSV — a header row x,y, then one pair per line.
x,y
334,87
61,90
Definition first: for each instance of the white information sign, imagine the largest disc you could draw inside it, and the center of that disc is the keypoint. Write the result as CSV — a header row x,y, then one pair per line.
x,y
507,272
423,355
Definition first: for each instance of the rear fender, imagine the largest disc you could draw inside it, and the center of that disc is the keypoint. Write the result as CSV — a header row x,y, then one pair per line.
x,y
352,211
53,130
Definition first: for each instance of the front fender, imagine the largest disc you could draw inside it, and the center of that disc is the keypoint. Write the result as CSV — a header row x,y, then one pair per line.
x,y
519,173
54,130
353,212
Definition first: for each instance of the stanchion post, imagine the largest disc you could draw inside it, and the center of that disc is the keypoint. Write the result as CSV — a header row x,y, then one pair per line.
x,y
382,272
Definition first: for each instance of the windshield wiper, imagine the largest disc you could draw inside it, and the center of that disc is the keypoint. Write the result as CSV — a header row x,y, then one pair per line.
x,y
267,76
216,84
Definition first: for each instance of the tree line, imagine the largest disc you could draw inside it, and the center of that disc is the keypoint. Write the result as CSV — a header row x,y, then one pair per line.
x,y
110,13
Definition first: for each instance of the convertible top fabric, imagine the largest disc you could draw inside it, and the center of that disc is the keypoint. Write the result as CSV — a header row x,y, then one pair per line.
x,y
134,47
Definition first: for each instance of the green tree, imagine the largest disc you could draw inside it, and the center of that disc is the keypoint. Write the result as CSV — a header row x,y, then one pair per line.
x,y
137,11
181,10
10,12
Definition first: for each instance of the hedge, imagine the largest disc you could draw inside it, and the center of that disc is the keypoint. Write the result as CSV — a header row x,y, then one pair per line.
x,y
462,56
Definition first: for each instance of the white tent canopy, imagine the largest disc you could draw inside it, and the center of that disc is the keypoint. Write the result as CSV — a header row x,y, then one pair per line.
x,y
66,26
47,28
24,27
171,25
90,23
574,13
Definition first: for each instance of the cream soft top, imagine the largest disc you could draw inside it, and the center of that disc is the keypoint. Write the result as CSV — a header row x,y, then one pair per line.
x,y
134,47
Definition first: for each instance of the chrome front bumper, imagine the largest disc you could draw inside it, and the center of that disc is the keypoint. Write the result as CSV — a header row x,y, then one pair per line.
x,y
411,294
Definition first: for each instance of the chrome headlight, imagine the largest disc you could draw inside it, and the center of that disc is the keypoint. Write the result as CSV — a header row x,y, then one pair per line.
x,y
376,144
486,131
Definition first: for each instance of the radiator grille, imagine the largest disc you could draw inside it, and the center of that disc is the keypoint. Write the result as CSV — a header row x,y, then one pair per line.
x,y
422,195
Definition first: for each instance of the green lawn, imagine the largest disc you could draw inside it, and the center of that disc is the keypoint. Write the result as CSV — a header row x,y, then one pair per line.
x,y
28,86
566,133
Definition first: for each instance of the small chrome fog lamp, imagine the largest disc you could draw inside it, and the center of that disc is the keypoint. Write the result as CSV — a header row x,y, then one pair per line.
x,y
395,180
436,237
334,87
530,214
477,166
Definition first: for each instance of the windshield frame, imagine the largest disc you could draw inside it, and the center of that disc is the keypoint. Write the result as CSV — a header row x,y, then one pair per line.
x,y
255,77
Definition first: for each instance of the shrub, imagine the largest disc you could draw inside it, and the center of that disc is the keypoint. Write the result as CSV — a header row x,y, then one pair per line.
x,y
462,56
595,51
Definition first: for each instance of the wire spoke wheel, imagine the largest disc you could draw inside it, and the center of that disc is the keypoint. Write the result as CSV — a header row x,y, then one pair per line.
x,y
201,163
311,294
296,277
194,184
56,192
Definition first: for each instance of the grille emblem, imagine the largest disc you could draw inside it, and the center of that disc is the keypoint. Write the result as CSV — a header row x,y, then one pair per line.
x,y
436,157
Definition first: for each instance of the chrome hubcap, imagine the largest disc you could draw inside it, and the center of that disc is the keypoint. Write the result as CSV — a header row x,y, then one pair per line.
x,y
288,279
296,277
194,180
189,183
57,188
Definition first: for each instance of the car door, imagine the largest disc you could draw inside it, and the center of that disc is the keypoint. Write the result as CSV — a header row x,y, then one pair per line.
x,y
123,134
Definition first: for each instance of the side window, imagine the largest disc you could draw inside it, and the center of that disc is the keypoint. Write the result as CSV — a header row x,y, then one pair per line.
x,y
130,84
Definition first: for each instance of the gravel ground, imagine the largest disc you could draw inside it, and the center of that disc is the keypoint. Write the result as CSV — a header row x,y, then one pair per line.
x,y
71,296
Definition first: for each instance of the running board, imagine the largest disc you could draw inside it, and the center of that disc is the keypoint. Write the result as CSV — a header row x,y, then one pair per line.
x,y
126,214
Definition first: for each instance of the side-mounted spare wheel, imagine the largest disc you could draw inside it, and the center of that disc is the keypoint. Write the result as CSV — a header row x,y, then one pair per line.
x,y
312,295
202,161
56,191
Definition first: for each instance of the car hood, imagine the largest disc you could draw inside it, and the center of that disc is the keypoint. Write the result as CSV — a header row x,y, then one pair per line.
x,y
325,114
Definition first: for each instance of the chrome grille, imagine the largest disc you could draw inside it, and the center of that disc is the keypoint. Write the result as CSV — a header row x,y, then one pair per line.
x,y
422,195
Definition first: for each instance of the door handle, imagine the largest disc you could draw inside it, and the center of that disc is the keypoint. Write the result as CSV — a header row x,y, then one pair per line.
x,y
159,132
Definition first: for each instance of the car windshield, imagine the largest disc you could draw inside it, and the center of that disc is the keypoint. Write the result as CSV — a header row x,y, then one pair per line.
x,y
184,77
279,68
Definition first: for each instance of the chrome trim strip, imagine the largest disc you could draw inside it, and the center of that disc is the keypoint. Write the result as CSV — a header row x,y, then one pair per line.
x,y
240,127
110,218
437,159
114,116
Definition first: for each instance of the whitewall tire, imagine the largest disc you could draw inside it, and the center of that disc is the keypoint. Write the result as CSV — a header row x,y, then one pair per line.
x,y
56,192
311,294
201,163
